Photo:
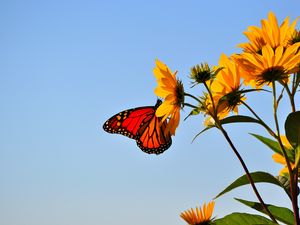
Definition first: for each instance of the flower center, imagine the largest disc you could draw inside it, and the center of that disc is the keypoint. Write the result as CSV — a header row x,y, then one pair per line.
x,y
179,93
271,74
232,99
203,223
202,73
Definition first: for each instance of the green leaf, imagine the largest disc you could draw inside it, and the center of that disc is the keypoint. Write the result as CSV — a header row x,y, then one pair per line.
x,y
258,177
231,119
242,219
274,145
239,119
280,213
251,90
202,131
292,128
292,131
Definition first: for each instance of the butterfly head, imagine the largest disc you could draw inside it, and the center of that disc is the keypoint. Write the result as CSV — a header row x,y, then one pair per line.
x,y
158,103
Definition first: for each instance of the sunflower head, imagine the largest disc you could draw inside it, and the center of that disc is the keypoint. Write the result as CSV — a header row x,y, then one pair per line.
x,y
200,215
226,88
202,73
269,75
269,66
171,90
232,99
270,33
256,40
180,93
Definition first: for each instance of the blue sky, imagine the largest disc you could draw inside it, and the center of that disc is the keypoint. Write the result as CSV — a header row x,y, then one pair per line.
x,y
67,66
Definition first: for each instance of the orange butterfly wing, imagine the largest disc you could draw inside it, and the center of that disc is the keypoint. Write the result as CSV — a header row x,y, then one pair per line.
x,y
128,122
142,125
152,138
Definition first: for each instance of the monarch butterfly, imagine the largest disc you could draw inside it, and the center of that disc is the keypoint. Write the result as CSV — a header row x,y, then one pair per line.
x,y
142,125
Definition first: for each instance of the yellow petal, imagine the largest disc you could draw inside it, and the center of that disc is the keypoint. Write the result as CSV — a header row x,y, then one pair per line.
x,y
278,54
163,110
279,158
160,92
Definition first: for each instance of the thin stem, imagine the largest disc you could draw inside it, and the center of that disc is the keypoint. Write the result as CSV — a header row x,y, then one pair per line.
x,y
219,125
190,105
295,83
248,174
275,106
293,185
192,96
260,120
211,97
291,97
296,208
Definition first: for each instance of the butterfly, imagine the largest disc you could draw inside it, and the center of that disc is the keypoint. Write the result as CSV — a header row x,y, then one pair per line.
x,y
142,125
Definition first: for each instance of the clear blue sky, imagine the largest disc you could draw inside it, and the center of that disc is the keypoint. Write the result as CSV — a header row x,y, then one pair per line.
x,y
67,66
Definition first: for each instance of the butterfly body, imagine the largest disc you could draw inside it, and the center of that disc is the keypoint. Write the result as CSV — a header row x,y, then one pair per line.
x,y
142,125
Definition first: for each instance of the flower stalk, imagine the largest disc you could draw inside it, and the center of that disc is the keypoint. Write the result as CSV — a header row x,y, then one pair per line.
x,y
291,96
192,96
220,127
293,181
268,59
248,174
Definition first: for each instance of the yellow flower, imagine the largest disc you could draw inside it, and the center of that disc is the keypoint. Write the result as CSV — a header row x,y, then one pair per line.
x,y
254,34
270,33
171,89
275,35
271,65
209,108
225,88
225,91
281,160
202,74
285,142
201,215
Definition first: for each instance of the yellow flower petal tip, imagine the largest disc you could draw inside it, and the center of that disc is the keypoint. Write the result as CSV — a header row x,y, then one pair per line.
x,y
200,215
270,33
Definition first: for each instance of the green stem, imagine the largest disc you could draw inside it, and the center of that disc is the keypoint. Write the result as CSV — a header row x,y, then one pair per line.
x,y
296,80
190,105
211,98
248,174
294,85
219,125
291,97
275,106
192,96
293,185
